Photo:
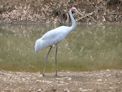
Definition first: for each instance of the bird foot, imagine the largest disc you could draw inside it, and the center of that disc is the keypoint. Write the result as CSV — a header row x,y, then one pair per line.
x,y
56,75
43,75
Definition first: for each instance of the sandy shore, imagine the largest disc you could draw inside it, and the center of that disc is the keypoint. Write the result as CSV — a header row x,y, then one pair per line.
x,y
94,81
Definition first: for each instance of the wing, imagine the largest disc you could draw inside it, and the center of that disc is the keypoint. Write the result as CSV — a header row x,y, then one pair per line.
x,y
56,34
51,37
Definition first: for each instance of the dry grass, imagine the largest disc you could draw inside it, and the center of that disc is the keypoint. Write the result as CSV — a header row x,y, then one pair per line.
x,y
44,11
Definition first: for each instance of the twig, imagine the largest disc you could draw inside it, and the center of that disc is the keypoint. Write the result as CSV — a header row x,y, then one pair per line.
x,y
86,15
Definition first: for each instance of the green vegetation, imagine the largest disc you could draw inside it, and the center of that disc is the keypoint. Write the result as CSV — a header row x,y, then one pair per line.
x,y
88,48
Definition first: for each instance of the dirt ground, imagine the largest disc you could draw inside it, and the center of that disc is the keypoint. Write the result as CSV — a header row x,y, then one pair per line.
x,y
93,81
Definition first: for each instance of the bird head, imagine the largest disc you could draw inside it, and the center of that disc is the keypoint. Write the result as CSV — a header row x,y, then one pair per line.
x,y
74,11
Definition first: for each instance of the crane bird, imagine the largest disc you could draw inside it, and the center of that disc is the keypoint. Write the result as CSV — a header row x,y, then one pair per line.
x,y
53,37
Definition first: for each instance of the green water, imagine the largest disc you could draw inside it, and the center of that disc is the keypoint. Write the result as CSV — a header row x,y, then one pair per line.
x,y
88,48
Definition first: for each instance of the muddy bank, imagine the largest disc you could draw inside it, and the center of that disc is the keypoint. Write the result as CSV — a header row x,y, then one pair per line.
x,y
94,81
53,11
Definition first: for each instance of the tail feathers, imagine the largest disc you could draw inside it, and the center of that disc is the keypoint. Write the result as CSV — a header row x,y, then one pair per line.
x,y
39,45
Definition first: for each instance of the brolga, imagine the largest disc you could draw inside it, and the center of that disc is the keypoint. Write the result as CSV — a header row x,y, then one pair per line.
x,y
53,37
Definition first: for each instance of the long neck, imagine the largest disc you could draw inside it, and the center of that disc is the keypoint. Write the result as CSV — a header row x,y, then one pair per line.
x,y
73,26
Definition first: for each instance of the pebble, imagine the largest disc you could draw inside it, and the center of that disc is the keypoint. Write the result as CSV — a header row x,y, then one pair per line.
x,y
99,80
66,90
39,90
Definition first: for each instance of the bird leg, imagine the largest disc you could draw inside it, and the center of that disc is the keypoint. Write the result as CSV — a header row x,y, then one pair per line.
x,y
56,59
46,60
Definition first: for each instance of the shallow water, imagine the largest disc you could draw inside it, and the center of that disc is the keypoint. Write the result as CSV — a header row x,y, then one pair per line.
x,y
93,47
